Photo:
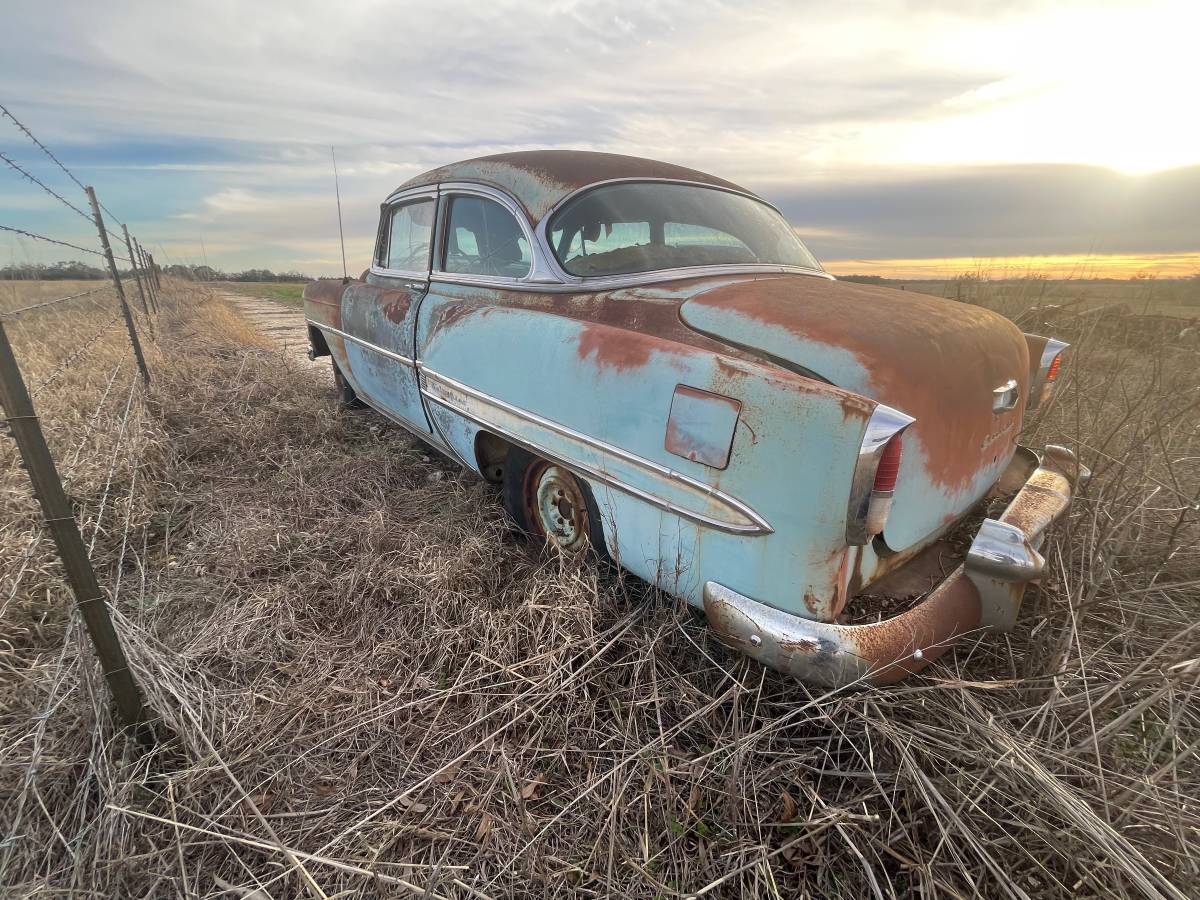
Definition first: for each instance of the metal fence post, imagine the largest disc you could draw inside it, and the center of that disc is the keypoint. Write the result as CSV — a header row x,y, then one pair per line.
x,y
154,271
116,277
47,486
141,256
148,262
133,264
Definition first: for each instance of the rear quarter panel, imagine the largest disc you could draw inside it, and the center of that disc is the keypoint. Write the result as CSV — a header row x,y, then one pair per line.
x,y
569,362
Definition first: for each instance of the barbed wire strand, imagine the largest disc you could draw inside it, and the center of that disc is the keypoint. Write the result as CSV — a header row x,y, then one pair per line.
x,y
29,134
74,357
12,314
133,478
112,467
44,148
49,190
49,240
93,418
38,536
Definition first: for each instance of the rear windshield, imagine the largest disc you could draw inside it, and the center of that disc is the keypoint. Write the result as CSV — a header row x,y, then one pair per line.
x,y
623,229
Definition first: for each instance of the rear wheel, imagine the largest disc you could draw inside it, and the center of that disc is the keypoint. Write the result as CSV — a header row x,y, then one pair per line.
x,y
346,395
550,504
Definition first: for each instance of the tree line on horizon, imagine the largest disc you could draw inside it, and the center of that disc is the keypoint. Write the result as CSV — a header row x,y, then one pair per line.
x,y
72,270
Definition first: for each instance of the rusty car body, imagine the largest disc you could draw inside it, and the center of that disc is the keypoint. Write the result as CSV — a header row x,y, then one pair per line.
x,y
648,360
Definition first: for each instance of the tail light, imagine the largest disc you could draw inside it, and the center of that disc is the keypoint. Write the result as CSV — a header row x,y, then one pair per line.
x,y
875,474
882,490
1042,385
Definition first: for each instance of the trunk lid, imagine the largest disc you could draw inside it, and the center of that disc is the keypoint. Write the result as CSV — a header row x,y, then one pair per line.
x,y
936,360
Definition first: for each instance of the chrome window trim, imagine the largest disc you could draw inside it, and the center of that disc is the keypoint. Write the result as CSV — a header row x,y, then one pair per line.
x,y
382,351
1052,349
627,281
757,525
539,271
884,424
636,278
548,276
397,199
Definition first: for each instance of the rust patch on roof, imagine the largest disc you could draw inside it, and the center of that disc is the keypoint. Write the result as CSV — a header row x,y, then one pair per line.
x,y
538,179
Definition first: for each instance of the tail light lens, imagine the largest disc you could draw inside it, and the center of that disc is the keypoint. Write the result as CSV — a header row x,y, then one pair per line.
x,y
1042,385
882,490
875,475
889,466
1053,371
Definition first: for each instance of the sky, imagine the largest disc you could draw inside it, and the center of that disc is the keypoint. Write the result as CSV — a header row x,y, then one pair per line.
x,y
897,137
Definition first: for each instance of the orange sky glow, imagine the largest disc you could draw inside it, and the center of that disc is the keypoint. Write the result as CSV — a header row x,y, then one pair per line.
x,y
1160,265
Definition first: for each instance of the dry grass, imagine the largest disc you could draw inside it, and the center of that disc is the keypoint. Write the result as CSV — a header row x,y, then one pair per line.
x,y
369,687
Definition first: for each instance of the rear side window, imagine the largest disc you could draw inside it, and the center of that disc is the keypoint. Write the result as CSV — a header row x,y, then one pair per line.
x,y
409,233
483,238
627,228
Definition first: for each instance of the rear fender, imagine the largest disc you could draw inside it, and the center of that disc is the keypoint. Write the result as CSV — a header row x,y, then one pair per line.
x,y
599,399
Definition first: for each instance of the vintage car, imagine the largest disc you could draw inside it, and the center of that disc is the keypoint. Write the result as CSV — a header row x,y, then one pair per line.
x,y
650,363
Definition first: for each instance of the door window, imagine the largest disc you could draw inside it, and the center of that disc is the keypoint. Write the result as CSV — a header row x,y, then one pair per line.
x,y
483,238
410,232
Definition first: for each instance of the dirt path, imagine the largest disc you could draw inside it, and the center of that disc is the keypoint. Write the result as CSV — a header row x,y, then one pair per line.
x,y
280,322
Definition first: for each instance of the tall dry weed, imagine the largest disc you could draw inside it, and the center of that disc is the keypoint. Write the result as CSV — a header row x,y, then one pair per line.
x,y
369,687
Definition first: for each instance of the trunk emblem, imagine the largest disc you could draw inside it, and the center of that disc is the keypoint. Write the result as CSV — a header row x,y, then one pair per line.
x,y
1005,397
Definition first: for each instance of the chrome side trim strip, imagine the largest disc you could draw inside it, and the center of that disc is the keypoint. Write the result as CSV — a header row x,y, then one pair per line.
x,y
434,387
398,357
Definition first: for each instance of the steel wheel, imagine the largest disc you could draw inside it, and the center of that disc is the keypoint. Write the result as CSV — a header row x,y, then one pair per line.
x,y
555,506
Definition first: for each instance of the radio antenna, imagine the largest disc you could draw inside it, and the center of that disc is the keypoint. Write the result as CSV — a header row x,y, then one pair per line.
x,y
341,234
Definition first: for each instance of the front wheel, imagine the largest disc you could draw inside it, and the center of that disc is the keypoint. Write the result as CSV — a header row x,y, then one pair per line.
x,y
550,504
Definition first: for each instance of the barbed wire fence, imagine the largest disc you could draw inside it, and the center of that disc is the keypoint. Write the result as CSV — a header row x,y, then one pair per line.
x,y
73,383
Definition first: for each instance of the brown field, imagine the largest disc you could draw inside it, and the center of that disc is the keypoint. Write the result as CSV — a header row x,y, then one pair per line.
x,y
367,685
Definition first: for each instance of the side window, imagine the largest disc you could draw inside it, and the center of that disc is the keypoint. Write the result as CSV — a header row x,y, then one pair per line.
x,y
678,234
483,238
620,238
409,233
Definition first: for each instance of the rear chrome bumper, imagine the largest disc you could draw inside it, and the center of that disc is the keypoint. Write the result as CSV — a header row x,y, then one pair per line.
x,y
983,594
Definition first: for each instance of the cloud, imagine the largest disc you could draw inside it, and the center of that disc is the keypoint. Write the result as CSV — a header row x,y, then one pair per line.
x,y
212,121
998,211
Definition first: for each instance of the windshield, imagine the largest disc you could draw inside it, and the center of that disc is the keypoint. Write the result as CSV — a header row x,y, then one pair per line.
x,y
622,229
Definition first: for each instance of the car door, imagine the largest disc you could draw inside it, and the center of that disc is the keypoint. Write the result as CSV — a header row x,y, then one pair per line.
x,y
380,315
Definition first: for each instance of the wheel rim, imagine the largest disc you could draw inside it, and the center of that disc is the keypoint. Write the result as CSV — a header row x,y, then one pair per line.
x,y
555,506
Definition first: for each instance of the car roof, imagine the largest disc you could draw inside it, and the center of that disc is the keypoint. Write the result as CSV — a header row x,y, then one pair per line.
x,y
538,179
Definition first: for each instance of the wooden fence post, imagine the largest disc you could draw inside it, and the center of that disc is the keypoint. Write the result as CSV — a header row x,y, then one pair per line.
x,y
43,474
116,277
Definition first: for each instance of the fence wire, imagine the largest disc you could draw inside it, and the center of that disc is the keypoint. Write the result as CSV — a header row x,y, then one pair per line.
x,y
73,358
49,190
50,240
13,313
101,442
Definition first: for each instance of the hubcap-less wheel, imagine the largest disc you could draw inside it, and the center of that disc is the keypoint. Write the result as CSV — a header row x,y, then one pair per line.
x,y
555,505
